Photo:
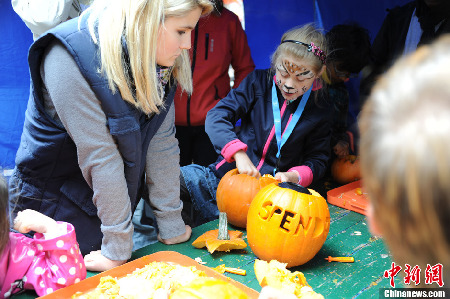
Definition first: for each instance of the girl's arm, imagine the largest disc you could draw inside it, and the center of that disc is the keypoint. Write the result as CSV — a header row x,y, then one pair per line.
x,y
220,120
316,150
81,115
163,182
57,261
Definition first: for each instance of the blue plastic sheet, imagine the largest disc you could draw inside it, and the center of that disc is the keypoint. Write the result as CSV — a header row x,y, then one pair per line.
x,y
14,81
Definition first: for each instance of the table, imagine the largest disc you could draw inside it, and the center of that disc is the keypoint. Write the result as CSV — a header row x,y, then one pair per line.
x,y
349,236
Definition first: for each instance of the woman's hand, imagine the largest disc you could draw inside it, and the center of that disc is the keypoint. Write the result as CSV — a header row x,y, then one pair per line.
x,y
178,239
341,149
31,220
96,262
245,165
290,176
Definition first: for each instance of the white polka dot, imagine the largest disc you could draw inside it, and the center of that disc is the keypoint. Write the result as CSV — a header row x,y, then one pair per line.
x,y
81,265
24,279
76,261
72,271
7,294
49,290
63,258
54,268
39,247
61,280
38,271
71,250
30,253
41,284
77,280
60,244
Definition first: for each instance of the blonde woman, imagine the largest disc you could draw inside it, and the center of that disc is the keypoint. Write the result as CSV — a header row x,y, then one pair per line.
x,y
405,156
99,129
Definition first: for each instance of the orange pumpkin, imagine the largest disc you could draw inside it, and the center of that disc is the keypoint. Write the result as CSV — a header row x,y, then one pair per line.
x,y
346,170
236,191
287,223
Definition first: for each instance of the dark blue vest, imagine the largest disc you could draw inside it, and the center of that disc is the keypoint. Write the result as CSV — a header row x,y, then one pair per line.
x,y
46,163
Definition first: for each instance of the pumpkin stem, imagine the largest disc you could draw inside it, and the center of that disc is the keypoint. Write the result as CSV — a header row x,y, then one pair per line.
x,y
295,187
223,227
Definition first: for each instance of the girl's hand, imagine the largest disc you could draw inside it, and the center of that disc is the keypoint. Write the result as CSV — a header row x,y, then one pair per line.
x,y
31,220
245,165
341,149
96,262
178,239
287,177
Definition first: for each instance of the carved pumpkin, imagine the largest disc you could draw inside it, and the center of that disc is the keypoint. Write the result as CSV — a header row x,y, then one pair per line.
x,y
220,239
287,223
235,193
207,287
346,170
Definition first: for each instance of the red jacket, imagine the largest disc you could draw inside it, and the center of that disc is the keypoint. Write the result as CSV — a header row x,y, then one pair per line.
x,y
217,42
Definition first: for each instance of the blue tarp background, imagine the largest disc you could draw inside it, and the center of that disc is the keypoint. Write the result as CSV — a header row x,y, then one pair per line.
x,y
265,20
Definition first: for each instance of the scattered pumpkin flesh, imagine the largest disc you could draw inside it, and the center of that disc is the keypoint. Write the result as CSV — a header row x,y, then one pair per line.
x,y
275,274
214,242
207,287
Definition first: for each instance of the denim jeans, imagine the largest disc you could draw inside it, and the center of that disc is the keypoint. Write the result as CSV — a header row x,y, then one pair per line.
x,y
201,183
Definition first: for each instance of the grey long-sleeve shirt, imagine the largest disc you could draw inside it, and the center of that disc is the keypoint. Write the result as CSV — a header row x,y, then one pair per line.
x,y
70,100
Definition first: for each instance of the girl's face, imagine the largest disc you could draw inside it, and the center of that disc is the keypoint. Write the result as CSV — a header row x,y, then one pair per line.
x,y
175,35
294,77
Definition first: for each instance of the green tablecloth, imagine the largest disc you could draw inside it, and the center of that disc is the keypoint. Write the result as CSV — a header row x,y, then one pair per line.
x,y
348,236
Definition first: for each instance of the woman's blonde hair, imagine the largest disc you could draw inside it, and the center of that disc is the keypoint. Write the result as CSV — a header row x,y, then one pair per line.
x,y
307,34
405,156
136,23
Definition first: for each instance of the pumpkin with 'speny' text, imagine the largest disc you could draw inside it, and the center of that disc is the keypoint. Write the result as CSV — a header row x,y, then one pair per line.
x,y
287,223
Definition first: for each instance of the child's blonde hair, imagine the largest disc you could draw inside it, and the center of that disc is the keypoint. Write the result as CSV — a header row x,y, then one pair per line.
x,y
136,22
405,156
4,219
307,34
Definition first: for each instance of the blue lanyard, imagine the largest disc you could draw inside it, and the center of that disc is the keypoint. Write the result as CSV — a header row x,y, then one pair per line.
x,y
277,118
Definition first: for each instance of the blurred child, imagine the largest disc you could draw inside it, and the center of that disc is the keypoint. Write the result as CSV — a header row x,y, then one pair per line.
x,y
349,52
405,158
49,261
285,127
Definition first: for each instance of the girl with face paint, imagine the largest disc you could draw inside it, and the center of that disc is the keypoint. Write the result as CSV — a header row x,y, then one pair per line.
x,y
285,123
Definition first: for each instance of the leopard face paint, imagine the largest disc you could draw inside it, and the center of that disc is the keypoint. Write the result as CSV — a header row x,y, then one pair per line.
x,y
301,71
293,77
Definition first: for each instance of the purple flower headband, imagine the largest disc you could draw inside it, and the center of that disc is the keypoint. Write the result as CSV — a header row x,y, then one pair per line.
x,y
311,48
